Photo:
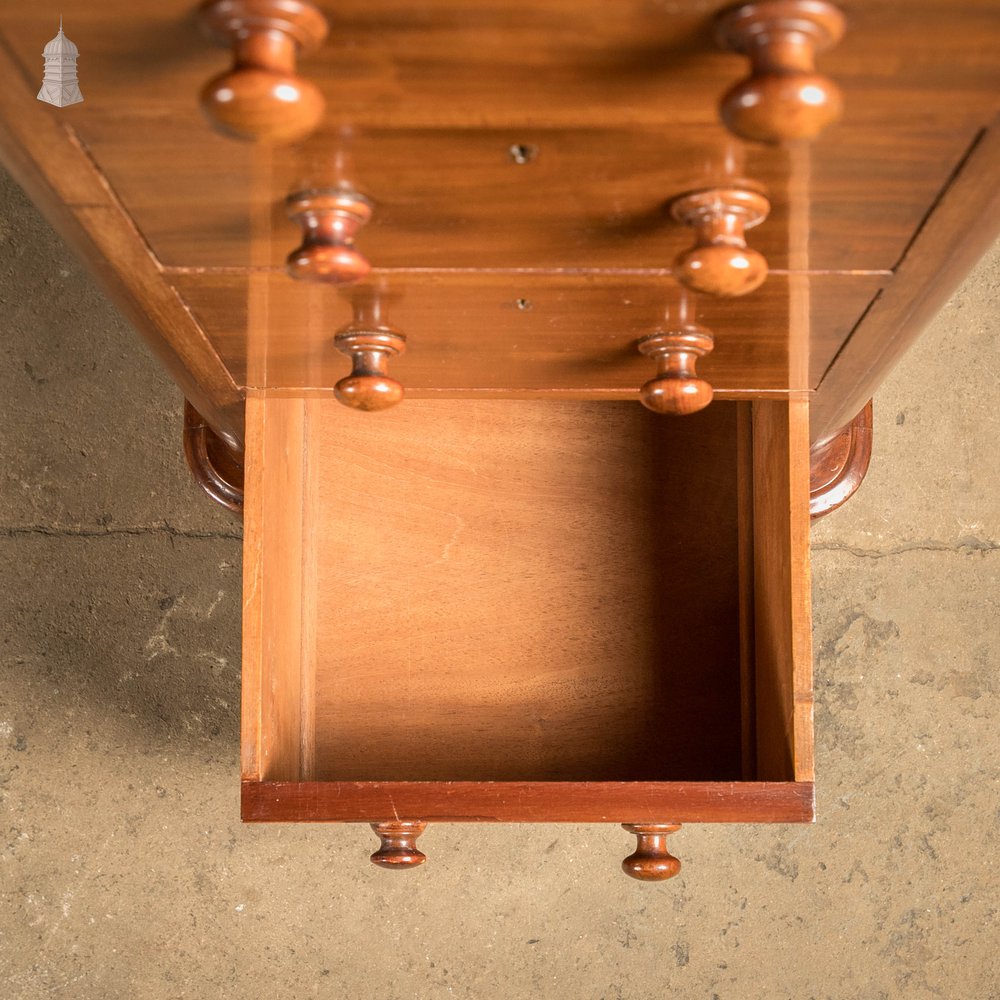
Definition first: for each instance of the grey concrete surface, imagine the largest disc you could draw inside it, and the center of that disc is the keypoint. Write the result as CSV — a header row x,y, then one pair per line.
x,y
124,869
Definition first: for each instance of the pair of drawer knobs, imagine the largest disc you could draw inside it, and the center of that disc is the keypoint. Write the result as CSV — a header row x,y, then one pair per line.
x,y
676,388
718,263
650,862
263,98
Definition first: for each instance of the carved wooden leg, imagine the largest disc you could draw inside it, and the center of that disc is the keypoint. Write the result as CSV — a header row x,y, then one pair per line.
x,y
216,467
838,465
651,862
399,844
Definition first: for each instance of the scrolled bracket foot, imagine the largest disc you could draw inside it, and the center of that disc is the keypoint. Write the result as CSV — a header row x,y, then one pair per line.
x,y
837,466
217,468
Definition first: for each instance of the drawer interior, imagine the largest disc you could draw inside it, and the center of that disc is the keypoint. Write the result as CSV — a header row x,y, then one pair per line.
x,y
457,592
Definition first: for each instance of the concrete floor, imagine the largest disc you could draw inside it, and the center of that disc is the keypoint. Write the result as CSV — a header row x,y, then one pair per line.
x,y
125,872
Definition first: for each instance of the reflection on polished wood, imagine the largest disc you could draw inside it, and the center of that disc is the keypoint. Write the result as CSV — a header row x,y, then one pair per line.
x,y
616,107
432,127
569,63
330,220
720,262
550,606
591,197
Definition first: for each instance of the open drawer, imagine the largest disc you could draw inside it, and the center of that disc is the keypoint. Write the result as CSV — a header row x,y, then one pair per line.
x,y
526,611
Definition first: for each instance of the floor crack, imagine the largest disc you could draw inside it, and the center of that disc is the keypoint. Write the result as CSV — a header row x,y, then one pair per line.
x,y
57,531
966,546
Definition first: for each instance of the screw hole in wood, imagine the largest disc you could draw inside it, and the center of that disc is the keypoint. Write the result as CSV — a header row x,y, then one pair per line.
x,y
522,153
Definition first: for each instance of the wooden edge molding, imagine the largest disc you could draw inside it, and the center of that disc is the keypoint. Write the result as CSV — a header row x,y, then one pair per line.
x,y
216,466
529,801
837,466
958,231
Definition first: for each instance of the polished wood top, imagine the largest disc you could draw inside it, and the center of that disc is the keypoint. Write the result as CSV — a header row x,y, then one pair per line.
x,y
559,63
546,140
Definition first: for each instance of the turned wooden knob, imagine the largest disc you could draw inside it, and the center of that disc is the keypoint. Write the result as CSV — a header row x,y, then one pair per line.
x,y
330,219
784,97
369,387
398,849
720,262
262,97
676,389
651,862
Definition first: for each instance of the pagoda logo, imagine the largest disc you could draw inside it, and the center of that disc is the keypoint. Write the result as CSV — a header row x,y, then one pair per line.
x,y
60,86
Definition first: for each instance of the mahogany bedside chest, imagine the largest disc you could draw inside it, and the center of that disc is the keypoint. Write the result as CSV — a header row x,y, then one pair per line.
x,y
415,266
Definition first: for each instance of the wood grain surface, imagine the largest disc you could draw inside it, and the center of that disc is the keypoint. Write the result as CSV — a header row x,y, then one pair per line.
x,y
782,591
522,332
961,228
545,138
562,63
516,590
510,592
588,197
530,802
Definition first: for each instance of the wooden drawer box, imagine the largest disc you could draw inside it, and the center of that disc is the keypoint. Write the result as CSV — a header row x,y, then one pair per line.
x,y
526,611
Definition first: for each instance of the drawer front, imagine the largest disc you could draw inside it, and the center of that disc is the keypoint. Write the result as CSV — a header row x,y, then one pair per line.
x,y
523,334
586,197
